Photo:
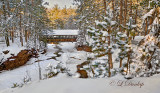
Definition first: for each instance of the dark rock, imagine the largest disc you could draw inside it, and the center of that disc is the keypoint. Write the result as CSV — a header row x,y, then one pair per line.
x,y
44,51
6,52
84,48
12,55
82,64
83,73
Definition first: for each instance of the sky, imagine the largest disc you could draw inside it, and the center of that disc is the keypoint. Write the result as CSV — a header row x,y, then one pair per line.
x,y
61,3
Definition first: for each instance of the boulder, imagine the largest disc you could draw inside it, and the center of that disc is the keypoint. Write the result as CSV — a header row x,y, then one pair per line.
x,y
6,52
84,48
83,73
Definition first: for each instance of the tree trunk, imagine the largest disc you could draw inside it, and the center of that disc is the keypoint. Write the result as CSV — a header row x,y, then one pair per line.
x,y
20,29
136,13
121,13
128,55
26,34
105,7
109,51
125,12
113,2
6,30
8,8
120,65
146,27
128,62
131,8
39,68
136,19
12,36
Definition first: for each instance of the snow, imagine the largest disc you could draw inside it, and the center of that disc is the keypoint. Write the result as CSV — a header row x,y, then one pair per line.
x,y
63,32
64,84
113,23
156,21
138,38
103,24
148,14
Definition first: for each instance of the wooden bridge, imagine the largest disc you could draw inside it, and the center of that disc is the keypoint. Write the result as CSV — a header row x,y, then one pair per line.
x,y
60,36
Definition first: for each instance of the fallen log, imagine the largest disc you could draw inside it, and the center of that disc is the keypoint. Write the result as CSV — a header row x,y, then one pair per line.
x,y
16,61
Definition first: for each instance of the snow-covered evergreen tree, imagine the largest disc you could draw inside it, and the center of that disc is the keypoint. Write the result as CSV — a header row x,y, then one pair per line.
x,y
100,41
88,11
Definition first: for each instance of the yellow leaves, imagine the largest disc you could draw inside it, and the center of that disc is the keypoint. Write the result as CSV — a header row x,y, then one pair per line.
x,y
62,14
150,39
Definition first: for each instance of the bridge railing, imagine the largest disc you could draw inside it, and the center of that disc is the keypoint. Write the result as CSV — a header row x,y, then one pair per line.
x,y
59,38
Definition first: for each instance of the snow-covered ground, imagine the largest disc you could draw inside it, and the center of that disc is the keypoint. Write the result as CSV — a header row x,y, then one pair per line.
x,y
62,83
